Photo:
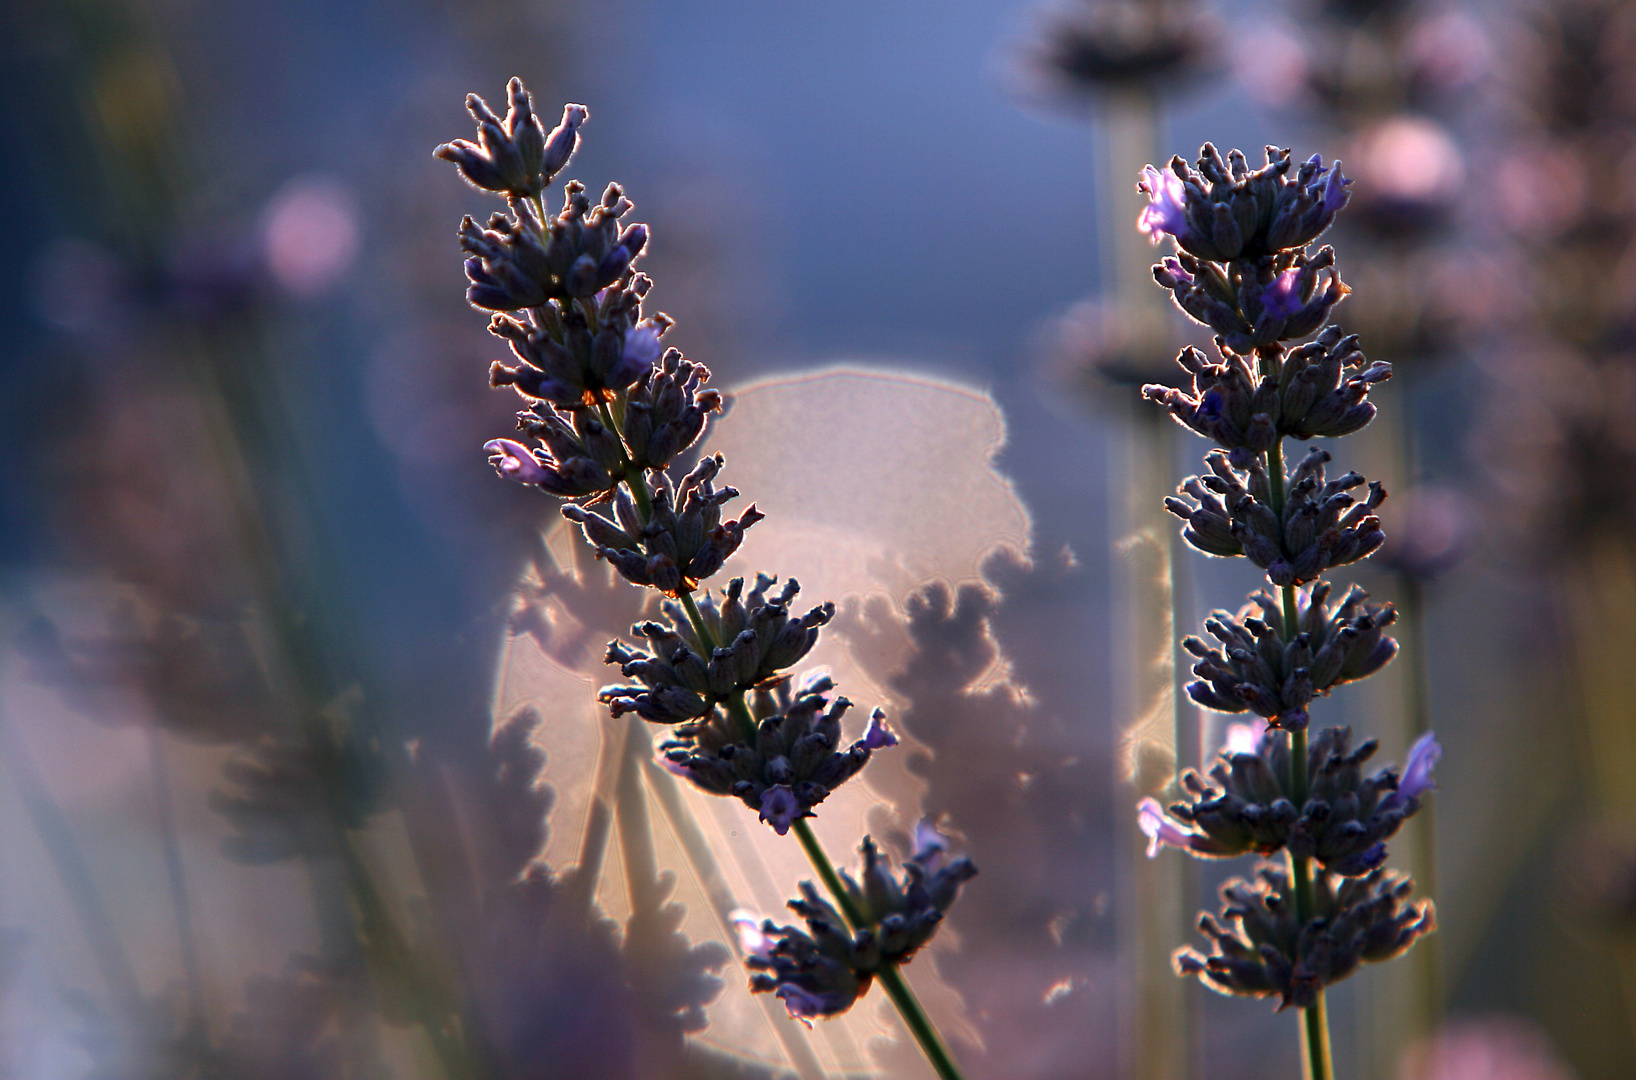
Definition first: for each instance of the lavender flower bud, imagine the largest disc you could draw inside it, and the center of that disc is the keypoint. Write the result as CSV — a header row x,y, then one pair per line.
x,y
796,759
1256,669
822,970
1223,212
1265,951
1247,805
511,156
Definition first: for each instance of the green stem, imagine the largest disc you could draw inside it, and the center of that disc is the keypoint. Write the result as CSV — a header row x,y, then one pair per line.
x,y
633,476
891,979
1316,1064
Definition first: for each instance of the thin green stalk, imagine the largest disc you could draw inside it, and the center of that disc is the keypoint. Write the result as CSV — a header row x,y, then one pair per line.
x,y
1315,1057
891,979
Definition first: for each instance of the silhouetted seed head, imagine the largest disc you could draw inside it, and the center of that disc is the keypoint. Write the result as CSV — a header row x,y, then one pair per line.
x,y
1260,949
822,970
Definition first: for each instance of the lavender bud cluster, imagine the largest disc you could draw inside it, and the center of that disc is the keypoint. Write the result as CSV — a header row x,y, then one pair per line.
x,y
823,969
611,411
1242,267
791,763
1343,822
1256,670
1267,950
1321,526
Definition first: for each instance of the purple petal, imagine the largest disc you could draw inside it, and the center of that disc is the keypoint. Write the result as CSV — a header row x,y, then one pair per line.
x,y
752,941
803,1003
1166,212
514,461
1282,298
931,846
1160,829
1417,771
641,350
1335,193
878,736
780,808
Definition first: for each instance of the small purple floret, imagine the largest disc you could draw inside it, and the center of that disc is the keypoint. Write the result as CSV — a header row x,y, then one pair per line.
x,y
1417,771
1335,193
803,1004
1282,298
1160,829
878,735
514,461
642,349
752,939
931,846
1166,212
780,808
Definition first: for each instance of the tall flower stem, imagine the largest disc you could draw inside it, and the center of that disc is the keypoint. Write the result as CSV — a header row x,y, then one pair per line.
x,y
1315,1056
891,979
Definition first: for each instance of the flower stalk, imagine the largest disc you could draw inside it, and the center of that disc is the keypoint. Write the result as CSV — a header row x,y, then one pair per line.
x,y
1243,267
612,411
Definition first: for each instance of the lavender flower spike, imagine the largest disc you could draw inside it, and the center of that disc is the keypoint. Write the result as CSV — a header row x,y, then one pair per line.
x,y
1167,210
1161,830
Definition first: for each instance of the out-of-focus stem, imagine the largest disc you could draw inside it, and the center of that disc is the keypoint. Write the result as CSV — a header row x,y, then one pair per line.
x,y
71,866
176,874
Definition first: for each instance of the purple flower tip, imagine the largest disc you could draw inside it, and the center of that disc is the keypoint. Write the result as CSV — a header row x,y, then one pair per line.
x,y
931,846
780,808
514,461
1335,193
1166,211
1282,298
752,940
878,735
802,1004
1174,266
1160,829
1417,771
